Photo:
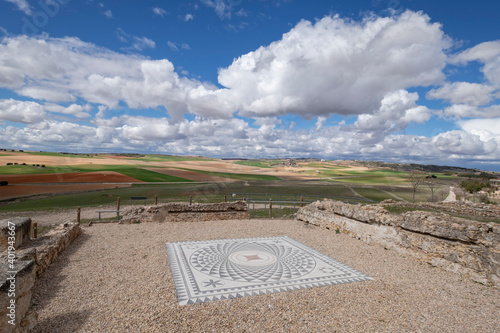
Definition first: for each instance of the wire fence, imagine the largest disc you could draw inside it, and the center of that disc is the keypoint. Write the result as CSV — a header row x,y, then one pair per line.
x,y
266,205
261,205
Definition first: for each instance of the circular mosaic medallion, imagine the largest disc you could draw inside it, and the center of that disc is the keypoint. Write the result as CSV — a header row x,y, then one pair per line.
x,y
252,258
252,261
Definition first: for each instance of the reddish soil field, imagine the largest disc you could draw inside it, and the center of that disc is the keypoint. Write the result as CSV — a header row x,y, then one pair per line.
x,y
26,185
73,177
17,191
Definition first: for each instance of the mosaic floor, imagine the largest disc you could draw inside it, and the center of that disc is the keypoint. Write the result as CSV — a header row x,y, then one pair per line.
x,y
213,270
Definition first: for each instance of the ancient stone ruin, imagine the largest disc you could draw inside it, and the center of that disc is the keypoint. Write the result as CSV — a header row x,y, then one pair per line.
x,y
21,262
184,212
456,244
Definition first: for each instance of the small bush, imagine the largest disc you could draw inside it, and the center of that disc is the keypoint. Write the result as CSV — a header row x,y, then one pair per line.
x,y
483,198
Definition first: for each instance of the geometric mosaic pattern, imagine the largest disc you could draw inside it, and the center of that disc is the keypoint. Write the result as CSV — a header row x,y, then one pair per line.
x,y
213,270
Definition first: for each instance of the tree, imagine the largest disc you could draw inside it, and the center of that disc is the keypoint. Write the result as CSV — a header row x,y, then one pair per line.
x,y
415,178
433,184
474,185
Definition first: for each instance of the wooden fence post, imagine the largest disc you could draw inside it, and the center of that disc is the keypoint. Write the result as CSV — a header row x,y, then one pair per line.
x,y
35,230
301,201
118,209
78,214
156,201
270,208
190,200
225,198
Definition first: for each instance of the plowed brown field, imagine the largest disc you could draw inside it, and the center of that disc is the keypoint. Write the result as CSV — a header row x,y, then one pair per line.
x,y
73,177
26,185
17,191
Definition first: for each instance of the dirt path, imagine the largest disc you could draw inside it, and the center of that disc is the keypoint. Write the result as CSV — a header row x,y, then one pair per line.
x,y
394,195
451,196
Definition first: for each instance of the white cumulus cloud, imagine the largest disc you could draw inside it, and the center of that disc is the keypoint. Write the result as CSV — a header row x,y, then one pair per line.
x,y
76,110
337,66
64,69
458,111
21,111
489,54
464,93
397,111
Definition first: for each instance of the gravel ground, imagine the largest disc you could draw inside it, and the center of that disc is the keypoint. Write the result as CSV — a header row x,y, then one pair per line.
x,y
117,278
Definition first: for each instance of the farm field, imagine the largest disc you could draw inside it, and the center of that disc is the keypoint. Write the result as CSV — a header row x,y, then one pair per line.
x,y
50,180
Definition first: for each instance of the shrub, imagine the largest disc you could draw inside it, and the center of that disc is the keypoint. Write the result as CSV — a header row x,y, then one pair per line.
x,y
483,198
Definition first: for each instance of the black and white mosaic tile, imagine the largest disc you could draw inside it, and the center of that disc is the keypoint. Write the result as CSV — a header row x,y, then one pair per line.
x,y
213,270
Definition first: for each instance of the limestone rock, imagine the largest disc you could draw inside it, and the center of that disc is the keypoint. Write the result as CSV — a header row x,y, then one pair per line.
x,y
457,244
22,228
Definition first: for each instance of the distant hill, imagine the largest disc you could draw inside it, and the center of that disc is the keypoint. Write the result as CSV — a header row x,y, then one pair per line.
x,y
430,168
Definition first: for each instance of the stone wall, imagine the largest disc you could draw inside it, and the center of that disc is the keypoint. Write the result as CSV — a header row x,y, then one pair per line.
x,y
46,249
15,297
184,212
32,257
456,244
21,226
460,208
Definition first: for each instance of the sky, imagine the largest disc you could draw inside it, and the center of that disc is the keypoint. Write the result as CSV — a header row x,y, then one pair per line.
x,y
405,81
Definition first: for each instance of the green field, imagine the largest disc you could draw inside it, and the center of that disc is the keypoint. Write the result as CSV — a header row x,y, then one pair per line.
x,y
238,176
128,170
200,192
341,182
62,154
215,192
170,158
26,170
255,163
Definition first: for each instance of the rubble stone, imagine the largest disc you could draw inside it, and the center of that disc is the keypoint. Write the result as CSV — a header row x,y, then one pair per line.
x,y
184,212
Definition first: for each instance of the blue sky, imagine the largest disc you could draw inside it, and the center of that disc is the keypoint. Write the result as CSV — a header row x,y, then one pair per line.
x,y
394,80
